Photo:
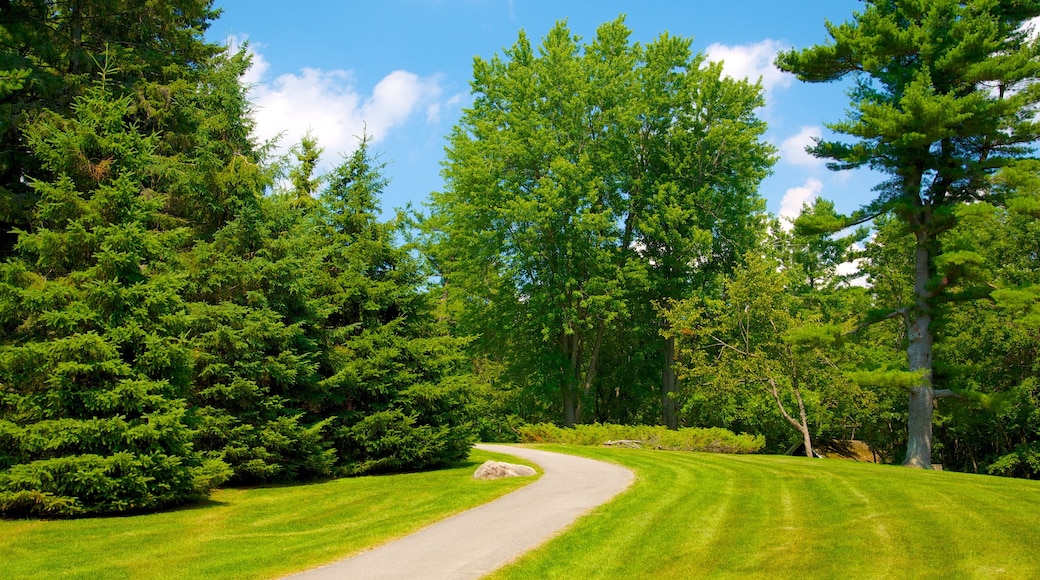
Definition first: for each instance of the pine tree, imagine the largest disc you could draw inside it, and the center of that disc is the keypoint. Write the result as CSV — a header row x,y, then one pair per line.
x,y
946,94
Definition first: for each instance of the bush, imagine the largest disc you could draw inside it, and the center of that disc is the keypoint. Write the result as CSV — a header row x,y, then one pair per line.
x,y
713,440
391,441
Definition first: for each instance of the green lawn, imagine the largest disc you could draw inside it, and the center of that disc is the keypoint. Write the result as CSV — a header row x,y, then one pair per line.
x,y
246,533
688,515
693,515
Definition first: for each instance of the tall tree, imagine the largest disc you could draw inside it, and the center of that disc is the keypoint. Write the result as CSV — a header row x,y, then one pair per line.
x,y
394,385
94,368
585,182
692,179
989,348
53,51
945,95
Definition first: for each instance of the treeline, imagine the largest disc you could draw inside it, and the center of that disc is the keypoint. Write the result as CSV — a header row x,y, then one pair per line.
x,y
180,309
171,317
602,236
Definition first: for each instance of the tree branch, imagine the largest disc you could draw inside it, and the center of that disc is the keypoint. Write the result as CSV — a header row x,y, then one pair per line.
x,y
904,312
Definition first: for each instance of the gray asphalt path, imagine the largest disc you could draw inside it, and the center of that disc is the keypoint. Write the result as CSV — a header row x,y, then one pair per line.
x,y
477,541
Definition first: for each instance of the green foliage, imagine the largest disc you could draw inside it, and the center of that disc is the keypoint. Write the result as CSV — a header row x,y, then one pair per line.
x,y
93,368
166,325
1025,458
987,352
251,366
152,52
772,353
887,378
943,99
325,359
587,181
712,440
396,386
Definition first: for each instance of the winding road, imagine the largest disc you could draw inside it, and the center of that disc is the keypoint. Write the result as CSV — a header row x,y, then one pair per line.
x,y
475,542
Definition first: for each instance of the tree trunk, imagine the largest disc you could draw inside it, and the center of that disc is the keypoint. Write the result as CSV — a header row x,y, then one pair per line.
x,y
668,412
919,355
591,373
571,351
803,425
570,404
807,442
75,38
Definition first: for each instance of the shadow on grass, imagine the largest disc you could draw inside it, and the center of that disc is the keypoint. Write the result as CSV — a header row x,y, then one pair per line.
x,y
202,504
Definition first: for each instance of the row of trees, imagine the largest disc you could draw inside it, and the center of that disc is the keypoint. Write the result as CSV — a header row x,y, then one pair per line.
x,y
178,309
600,229
167,323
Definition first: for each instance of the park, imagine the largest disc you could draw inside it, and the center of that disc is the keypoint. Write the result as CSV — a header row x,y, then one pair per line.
x,y
223,356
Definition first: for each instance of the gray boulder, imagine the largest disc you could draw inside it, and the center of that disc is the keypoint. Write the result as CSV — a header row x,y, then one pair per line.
x,y
499,469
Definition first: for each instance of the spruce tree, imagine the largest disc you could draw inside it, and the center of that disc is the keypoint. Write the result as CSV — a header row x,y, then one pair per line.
x,y
52,52
93,372
395,383
250,301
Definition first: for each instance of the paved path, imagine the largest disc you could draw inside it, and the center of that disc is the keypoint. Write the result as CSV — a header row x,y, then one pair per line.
x,y
477,541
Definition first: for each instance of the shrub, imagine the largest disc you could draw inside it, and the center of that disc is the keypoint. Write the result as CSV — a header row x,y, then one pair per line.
x,y
713,440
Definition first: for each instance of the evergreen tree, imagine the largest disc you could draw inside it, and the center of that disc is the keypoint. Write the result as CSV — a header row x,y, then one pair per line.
x,y
988,351
93,372
945,96
254,365
317,352
53,51
395,383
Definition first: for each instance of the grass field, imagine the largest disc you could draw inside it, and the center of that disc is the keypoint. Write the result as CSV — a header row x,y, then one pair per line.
x,y
688,515
726,516
246,533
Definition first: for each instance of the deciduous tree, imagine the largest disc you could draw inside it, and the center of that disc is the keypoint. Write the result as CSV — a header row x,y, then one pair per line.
x,y
586,182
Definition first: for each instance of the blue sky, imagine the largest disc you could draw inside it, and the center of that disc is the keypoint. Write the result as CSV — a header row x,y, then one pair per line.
x,y
402,68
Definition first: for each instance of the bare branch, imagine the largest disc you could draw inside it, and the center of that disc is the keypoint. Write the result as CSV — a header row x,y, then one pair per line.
x,y
725,345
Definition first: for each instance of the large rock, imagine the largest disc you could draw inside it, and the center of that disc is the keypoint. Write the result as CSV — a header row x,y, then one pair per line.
x,y
499,469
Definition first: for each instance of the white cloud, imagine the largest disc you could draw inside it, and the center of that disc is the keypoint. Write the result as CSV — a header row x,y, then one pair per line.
x,y
1033,26
258,64
792,150
852,269
846,268
331,106
752,61
435,110
795,198
433,113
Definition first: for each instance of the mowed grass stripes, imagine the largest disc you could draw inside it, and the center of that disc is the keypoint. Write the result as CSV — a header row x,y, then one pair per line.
x,y
724,516
247,533
687,515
